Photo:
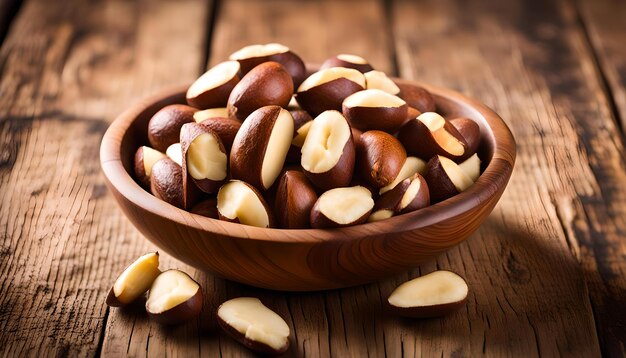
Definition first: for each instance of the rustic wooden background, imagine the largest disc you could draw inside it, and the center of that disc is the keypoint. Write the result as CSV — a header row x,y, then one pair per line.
x,y
547,270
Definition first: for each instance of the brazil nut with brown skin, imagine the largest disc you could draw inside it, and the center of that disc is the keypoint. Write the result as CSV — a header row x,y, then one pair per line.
x,y
328,152
166,183
254,55
470,131
260,147
145,157
266,84
240,202
375,109
327,89
295,196
430,134
164,126
204,158
348,61
380,157
417,97
213,88
445,178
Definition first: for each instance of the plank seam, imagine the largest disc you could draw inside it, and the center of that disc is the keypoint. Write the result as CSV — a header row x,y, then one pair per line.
x,y
602,77
208,42
389,33
105,321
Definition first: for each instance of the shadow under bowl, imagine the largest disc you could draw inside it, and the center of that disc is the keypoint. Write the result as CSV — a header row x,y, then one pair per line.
x,y
312,259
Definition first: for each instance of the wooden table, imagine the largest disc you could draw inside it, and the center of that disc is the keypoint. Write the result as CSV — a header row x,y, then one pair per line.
x,y
547,270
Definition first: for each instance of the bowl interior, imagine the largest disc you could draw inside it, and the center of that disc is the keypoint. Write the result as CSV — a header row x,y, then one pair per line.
x,y
136,135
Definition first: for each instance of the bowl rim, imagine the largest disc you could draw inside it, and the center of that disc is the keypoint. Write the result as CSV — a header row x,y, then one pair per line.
x,y
501,165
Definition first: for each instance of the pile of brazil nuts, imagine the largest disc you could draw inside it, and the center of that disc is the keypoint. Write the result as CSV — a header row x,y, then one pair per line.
x,y
261,143
173,298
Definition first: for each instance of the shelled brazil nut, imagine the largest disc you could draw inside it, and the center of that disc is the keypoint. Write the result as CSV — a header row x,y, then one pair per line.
x,y
265,144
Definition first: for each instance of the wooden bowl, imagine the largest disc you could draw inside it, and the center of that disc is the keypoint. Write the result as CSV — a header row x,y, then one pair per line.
x,y
315,259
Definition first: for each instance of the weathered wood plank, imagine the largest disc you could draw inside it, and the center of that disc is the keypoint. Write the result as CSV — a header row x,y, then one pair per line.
x,y
68,68
315,30
563,215
604,22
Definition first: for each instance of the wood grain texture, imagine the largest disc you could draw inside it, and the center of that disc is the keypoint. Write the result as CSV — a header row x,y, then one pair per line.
x,y
604,23
68,68
315,30
559,228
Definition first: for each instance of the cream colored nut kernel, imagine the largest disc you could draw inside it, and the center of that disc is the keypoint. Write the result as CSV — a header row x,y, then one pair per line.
x,y
457,176
205,159
259,51
221,112
237,200
373,98
213,78
380,215
410,194
137,278
150,156
301,134
379,80
330,74
175,153
254,321
352,58
170,289
346,205
471,167
436,288
277,148
325,141
411,166
447,141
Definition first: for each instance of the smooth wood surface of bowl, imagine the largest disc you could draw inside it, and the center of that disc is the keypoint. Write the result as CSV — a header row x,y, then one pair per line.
x,y
308,260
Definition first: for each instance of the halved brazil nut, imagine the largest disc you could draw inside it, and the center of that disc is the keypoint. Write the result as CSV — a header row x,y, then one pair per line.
x,y
379,80
134,281
409,195
470,131
430,134
375,109
328,151
261,145
253,55
326,89
240,202
174,298
341,207
213,88
435,294
445,178
204,158
348,61
411,166
145,157
251,323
